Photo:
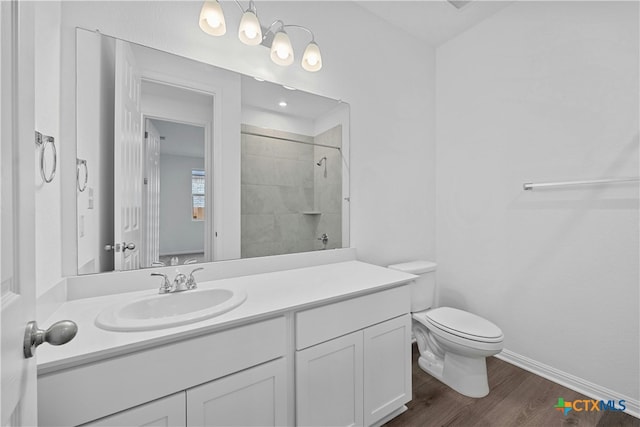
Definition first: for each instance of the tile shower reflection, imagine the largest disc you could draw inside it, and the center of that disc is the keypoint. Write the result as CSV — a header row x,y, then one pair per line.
x,y
288,201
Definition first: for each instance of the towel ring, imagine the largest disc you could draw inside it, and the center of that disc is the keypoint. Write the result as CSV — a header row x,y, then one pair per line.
x,y
79,163
41,142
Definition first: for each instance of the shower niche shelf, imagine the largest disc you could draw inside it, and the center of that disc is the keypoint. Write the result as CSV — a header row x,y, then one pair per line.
x,y
311,213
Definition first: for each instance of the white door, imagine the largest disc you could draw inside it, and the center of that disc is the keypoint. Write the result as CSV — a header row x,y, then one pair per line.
x,y
254,397
329,387
387,368
128,160
17,204
151,190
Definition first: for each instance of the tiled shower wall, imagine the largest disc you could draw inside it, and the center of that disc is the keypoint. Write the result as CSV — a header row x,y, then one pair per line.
x,y
328,190
280,193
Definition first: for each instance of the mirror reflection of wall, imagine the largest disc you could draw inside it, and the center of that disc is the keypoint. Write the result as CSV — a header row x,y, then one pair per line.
x,y
192,163
95,80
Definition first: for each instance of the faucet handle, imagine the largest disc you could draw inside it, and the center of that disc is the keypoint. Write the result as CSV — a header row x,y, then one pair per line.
x,y
180,282
165,287
191,282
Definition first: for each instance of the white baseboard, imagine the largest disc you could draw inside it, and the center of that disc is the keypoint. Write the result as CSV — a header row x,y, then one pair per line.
x,y
570,381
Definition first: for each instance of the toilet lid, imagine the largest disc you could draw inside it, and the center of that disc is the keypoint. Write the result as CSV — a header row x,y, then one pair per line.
x,y
464,324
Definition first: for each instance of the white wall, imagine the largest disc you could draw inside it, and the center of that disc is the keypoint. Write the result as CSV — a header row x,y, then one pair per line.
x,y
272,120
544,91
179,233
47,121
390,90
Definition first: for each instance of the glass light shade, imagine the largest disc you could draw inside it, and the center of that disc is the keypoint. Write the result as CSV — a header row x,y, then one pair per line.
x,y
212,19
311,59
281,50
249,31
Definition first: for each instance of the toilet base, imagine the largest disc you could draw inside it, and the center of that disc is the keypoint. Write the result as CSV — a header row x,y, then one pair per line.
x,y
467,376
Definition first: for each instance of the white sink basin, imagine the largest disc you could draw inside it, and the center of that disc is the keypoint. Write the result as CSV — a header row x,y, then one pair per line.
x,y
168,310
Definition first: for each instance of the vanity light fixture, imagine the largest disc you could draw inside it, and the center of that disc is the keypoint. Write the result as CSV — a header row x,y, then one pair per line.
x,y
252,33
249,31
311,60
281,49
212,19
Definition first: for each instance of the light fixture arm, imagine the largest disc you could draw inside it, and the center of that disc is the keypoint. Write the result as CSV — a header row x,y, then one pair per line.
x,y
252,7
313,39
277,21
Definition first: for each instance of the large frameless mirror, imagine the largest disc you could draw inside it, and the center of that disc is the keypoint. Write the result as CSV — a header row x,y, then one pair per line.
x,y
183,162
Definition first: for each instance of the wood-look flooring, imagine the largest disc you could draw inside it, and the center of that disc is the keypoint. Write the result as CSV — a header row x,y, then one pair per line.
x,y
517,398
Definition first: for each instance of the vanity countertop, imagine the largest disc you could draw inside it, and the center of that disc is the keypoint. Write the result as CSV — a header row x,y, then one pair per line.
x,y
268,294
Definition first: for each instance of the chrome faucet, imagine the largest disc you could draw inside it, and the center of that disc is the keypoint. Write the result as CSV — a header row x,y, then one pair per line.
x,y
324,239
180,283
191,281
165,286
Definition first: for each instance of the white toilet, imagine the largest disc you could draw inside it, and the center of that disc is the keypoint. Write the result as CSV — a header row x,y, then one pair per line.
x,y
453,344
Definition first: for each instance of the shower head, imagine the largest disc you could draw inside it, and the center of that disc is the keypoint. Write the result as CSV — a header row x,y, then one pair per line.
x,y
324,159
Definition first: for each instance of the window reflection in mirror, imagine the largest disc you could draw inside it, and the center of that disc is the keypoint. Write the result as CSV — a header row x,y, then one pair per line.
x,y
197,195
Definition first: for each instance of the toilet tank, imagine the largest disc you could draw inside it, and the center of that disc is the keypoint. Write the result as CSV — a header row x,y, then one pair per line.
x,y
423,288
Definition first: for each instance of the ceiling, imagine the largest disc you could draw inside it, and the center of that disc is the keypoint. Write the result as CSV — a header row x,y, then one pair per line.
x,y
265,96
180,139
433,21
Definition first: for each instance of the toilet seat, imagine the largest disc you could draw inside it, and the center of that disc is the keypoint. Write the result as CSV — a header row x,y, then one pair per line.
x,y
461,327
464,324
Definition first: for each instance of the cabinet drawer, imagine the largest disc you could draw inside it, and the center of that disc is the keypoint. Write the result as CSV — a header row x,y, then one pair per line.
x,y
321,324
98,389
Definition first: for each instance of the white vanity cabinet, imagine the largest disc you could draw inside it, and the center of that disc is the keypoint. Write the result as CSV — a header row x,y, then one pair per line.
x,y
218,377
252,397
168,411
353,360
334,350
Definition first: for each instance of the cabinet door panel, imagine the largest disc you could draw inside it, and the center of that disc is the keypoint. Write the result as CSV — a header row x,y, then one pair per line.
x,y
329,383
253,397
166,412
387,367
